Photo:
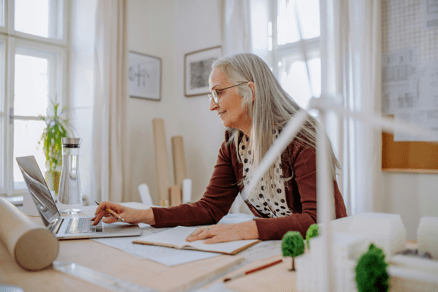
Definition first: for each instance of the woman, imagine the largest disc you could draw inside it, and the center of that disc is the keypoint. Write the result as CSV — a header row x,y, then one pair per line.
x,y
254,108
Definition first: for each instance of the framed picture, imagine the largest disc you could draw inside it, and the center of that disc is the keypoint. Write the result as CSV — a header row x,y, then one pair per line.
x,y
144,76
197,68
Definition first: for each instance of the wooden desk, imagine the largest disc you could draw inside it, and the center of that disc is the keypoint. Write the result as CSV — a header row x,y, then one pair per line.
x,y
143,272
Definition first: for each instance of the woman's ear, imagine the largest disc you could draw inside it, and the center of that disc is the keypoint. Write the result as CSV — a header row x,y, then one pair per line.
x,y
252,86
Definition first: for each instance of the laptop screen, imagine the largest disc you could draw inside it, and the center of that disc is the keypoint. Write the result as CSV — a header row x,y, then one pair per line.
x,y
38,189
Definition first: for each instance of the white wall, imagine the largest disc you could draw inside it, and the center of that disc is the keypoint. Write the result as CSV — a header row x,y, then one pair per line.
x,y
169,29
412,196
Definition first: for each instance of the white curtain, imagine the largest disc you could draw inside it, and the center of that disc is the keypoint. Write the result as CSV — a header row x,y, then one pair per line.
x,y
236,27
236,38
350,66
109,55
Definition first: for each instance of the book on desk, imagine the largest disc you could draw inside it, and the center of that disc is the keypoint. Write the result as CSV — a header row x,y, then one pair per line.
x,y
176,238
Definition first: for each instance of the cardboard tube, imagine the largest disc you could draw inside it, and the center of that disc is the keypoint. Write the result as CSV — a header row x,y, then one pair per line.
x,y
179,161
175,196
161,161
32,245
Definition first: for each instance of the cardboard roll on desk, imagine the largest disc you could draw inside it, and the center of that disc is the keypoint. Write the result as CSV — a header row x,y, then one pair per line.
x,y
31,245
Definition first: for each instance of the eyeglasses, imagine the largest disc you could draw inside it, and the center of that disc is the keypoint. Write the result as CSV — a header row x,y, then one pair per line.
x,y
213,96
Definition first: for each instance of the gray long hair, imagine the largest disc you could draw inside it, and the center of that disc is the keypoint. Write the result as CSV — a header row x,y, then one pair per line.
x,y
272,106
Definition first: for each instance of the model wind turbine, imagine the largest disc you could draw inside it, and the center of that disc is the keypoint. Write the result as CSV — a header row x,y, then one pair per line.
x,y
324,178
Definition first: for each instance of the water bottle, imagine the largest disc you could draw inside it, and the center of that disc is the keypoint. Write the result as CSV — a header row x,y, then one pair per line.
x,y
70,194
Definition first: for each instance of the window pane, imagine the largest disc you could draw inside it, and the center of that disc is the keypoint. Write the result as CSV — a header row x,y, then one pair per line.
x,y
26,137
294,79
315,75
31,85
39,17
287,30
308,11
32,17
2,12
309,18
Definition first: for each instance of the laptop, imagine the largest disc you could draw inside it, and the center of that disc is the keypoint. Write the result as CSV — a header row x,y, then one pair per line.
x,y
70,227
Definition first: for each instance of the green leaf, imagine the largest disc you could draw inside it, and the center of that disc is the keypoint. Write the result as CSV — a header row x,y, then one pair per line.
x,y
51,138
311,232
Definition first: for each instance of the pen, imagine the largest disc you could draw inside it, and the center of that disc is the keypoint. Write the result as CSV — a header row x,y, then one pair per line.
x,y
253,270
112,213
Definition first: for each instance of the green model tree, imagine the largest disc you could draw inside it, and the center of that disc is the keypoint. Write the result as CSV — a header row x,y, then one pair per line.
x,y
292,246
311,232
371,274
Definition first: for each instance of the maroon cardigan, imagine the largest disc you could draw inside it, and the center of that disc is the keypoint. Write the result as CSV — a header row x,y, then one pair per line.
x,y
298,159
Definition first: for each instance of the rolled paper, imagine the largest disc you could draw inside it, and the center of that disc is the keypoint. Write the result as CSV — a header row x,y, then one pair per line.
x,y
31,245
161,160
175,196
145,195
179,160
187,191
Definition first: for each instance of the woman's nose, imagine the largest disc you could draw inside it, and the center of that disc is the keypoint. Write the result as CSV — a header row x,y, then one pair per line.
x,y
213,105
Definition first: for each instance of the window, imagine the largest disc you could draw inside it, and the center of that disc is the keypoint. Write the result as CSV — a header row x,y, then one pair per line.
x,y
287,48
281,44
33,68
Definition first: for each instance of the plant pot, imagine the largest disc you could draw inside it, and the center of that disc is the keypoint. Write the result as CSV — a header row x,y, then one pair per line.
x,y
52,180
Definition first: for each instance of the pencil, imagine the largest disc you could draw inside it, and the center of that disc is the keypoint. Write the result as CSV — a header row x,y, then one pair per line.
x,y
253,270
113,213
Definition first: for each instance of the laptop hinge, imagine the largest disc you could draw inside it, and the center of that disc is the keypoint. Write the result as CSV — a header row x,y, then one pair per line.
x,y
54,227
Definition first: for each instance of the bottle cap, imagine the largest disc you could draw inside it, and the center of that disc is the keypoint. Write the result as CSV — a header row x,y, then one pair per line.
x,y
71,142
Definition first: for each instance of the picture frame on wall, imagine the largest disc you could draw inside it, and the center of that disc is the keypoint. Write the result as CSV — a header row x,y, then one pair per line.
x,y
197,68
144,76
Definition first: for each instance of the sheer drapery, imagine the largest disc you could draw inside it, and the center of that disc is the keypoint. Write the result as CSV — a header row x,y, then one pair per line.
x,y
236,27
109,54
236,38
350,66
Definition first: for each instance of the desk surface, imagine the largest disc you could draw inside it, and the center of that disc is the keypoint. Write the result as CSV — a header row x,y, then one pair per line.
x,y
143,272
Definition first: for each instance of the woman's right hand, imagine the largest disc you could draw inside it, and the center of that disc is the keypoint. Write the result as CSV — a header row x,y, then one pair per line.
x,y
130,215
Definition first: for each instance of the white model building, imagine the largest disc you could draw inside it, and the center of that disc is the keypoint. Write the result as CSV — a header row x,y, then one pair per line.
x,y
346,249
351,237
384,230
427,236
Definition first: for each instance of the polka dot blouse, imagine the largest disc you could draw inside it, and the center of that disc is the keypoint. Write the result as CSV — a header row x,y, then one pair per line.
x,y
272,204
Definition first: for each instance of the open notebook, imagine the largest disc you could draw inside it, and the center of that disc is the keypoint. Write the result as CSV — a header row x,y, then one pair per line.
x,y
176,238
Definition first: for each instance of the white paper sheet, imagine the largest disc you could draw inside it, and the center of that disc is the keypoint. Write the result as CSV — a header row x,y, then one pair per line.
x,y
164,255
430,13
400,81
425,114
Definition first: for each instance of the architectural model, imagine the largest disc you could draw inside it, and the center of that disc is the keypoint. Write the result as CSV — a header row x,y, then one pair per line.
x,y
351,237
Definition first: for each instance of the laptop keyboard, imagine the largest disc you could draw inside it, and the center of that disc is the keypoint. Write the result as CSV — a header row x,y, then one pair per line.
x,y
82,225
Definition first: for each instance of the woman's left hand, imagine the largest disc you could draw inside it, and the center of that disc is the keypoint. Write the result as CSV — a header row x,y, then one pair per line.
x,y
225,232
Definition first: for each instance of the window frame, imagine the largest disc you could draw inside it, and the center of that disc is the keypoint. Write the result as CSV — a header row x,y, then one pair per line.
x,y
10,30
3,29
59,74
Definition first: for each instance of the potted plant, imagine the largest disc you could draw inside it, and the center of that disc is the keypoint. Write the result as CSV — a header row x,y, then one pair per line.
x,y
56,129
